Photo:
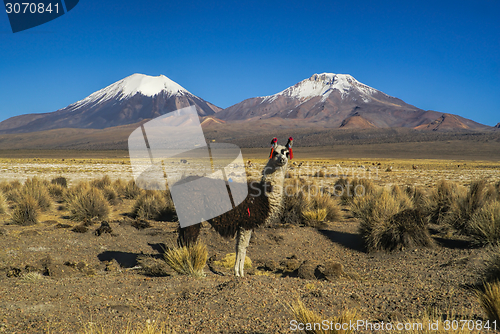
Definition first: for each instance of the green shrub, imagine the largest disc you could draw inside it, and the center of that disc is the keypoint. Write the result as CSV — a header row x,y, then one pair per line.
x,y
87,204
26,211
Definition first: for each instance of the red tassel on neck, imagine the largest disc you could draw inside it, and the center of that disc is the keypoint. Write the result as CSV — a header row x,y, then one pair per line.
x,y
291,153
272,150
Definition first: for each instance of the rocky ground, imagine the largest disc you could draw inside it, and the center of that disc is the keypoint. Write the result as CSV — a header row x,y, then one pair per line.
x,y
88,278
56,277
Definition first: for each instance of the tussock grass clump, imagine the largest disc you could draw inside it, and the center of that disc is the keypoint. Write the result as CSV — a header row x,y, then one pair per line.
x,y
462,210
442,198
294,201
489,299
26,211
325,202
188,260
101,183
8,187
390,221
3,203
156,205
229,261
484,225
492,269
130,190
313,322
347,190
60,180
151,327
56,190
315,215
87,204
36,189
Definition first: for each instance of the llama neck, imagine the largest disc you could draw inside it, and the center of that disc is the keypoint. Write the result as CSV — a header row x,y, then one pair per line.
x,y
275,177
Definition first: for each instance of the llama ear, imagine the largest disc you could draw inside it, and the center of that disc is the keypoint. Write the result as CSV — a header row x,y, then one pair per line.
x,y
289,145
274,143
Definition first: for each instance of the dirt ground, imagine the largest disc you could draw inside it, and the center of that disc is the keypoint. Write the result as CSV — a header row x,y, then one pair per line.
x,y
89,278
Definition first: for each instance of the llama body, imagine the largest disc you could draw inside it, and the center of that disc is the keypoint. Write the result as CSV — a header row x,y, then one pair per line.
x,y
263,205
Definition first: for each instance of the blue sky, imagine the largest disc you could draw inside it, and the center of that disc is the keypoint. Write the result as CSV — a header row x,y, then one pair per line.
x,y
438,55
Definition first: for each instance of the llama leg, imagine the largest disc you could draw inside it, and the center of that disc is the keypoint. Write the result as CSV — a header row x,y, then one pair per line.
x,y
242,241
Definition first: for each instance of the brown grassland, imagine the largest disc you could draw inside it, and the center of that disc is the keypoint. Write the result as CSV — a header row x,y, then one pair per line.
x,y
417,243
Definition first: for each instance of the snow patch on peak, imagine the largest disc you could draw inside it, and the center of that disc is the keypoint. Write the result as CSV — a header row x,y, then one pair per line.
x,y
136,83
322,85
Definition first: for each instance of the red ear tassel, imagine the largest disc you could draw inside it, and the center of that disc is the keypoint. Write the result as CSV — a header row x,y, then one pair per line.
x,y
272,150
289,144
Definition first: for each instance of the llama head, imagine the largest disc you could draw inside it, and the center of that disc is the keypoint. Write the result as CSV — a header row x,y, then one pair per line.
x,y
280,154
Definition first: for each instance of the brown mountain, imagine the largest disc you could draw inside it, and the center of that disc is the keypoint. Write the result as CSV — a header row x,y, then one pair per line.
x,y
339,101
134,99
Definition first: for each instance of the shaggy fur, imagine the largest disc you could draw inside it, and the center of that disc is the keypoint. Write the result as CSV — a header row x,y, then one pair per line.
x,y
263,205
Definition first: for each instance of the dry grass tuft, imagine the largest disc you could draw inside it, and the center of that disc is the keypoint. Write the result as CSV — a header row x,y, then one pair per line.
x,y
229,261
490,300
442,199
347,190
87,204
60,180
305,316
101,183
188,260
26,211
390,221
3,203
154,204
36,189
484,225
151,327
314,215
462,209
492,269
129,190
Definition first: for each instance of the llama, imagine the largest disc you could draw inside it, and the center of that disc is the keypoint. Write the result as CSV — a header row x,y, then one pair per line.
x,y
263,205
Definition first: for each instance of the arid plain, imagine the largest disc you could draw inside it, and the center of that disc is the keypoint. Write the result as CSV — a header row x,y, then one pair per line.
x,y
57,277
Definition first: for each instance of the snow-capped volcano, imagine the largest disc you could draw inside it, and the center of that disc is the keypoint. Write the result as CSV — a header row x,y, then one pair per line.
x,y
336,101
323,85
133,99
135,84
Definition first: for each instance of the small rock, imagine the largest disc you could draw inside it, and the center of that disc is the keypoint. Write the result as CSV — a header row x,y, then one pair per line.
x,y
80,229
59,271
113,266
307,270
291,264
332,270
104,228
